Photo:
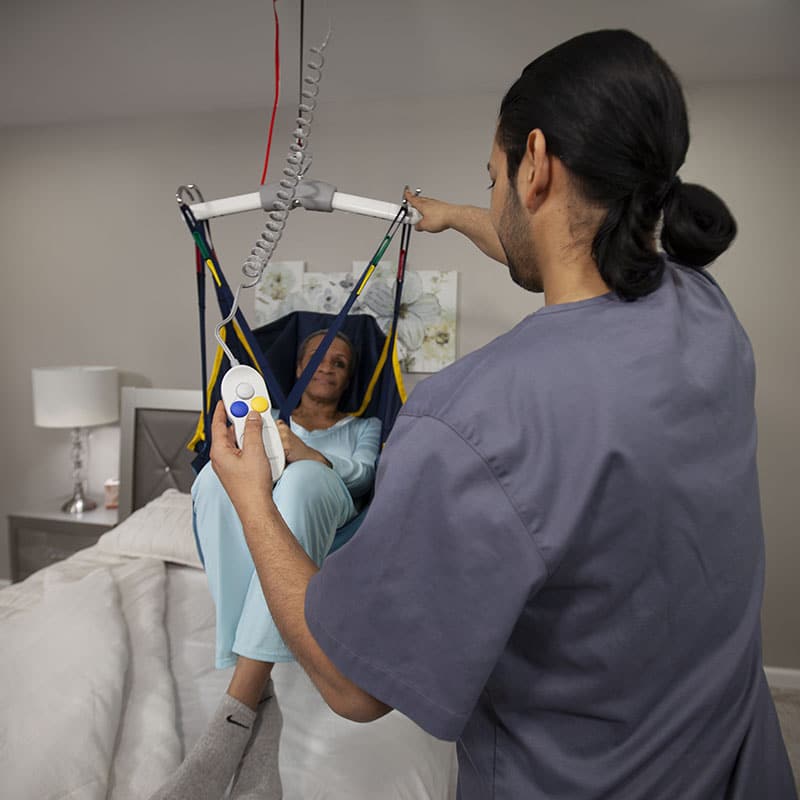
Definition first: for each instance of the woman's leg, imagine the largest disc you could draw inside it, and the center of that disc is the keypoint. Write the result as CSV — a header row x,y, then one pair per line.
x,y
228,564
258,776
207,769
249,681
313,502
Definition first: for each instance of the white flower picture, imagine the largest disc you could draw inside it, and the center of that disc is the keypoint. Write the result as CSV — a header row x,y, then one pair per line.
x,y
279,291
426,328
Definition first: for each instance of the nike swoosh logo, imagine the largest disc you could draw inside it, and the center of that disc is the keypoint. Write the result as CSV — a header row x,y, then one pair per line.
x,y
230,719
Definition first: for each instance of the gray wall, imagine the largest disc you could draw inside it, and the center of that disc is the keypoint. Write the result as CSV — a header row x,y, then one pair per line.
x,y
98,268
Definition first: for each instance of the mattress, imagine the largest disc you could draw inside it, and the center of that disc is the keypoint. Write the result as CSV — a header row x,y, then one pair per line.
x,y
129,625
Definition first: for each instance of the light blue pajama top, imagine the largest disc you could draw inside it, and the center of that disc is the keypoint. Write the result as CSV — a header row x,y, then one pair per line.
x,y
351,446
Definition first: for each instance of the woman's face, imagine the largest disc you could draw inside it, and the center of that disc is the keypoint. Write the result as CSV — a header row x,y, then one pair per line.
x,y
333,374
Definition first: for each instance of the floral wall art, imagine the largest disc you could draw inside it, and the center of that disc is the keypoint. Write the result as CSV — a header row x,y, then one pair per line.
x,y
426,333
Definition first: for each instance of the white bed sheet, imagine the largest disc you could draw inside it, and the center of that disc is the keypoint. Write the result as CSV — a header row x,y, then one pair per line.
x,y
322,756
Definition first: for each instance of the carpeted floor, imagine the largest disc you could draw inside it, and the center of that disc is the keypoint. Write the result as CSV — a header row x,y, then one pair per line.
x,y
787,703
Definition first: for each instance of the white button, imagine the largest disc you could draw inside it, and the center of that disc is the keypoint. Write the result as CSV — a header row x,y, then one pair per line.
x,y
245,391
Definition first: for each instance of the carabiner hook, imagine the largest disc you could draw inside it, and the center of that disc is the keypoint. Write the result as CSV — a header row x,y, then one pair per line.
x,y
404,202
191,194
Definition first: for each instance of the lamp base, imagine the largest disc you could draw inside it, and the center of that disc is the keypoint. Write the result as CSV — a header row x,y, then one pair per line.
x,y
78,503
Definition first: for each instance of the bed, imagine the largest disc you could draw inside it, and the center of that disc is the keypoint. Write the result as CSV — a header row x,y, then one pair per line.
x,y
106,665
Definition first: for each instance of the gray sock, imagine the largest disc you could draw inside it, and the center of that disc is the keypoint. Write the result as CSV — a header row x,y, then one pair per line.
x,y
258,775
206,771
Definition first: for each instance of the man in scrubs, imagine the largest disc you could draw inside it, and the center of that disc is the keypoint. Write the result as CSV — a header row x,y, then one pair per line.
x,y
562,568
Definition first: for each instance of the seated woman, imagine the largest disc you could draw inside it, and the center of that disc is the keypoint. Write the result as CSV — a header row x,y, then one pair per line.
x,y
330,462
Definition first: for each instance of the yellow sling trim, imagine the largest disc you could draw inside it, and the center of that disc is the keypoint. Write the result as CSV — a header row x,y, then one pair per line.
x,y
200,433
210,265
367,276
398,377
373,379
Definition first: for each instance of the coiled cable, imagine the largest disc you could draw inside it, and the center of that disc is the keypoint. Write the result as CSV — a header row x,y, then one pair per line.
x,y
297,163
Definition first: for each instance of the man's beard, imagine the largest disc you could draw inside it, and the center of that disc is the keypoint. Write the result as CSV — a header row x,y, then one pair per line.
x,y
517,243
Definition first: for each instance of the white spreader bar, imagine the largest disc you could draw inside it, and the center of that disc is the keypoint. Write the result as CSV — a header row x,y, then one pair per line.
x,y
311,195
226,205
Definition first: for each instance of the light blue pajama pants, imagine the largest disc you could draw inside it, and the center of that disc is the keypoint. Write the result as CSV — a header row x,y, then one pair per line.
x,y
313,501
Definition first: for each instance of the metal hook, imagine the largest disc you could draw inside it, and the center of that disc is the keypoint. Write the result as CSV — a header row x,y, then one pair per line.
x,y
404,203
191,193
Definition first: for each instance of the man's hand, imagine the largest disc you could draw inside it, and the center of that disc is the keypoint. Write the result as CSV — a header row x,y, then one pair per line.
x,y
436,214
471,221
245,473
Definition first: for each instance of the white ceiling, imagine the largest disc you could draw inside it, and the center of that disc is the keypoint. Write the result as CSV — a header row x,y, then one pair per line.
x,y
66,60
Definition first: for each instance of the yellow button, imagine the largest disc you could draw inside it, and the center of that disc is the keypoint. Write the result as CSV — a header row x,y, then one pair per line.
x,y
260,404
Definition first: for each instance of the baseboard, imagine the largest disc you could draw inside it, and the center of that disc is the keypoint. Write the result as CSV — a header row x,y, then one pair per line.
x,y
779,678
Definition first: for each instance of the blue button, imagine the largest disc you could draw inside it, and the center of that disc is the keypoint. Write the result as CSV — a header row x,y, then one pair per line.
x,y
239,409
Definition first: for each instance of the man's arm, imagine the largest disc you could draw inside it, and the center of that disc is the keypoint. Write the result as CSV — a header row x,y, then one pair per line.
x,y
284,569
471,221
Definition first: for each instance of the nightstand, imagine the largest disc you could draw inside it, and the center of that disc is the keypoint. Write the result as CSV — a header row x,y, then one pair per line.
x,y
39,538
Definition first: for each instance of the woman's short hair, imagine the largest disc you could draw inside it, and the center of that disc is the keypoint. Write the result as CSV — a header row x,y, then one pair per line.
x,y
301,350
613,112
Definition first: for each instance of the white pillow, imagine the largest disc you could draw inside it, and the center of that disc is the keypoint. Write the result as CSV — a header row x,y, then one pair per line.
x,y
62,674
162,529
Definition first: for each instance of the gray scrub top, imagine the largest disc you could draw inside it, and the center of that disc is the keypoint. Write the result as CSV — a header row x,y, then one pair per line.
x,y
563,564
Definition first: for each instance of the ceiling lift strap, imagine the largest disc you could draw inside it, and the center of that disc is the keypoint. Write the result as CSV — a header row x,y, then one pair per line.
x,y
226,302
389,352
293,400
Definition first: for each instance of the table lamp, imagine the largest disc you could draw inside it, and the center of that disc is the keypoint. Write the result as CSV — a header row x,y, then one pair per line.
x,y
77,398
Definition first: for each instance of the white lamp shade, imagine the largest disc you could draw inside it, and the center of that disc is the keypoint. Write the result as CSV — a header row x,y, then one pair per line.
x,y
75,397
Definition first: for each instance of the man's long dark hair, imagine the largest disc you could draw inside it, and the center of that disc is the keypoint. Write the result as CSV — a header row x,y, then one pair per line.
x,y
613,112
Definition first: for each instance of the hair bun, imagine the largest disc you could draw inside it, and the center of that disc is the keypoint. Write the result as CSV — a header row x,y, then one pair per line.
x,y
698,226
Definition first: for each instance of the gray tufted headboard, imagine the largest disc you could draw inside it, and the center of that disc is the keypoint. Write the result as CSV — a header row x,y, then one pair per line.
x,y
155,426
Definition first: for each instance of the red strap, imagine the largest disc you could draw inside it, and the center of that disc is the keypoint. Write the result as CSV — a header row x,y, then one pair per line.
x,y
277,91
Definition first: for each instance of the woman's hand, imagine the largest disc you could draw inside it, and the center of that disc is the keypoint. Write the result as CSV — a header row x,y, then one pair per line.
x,y
295,448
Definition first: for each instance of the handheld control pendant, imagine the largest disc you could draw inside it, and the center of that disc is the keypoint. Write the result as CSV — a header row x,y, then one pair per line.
x,y
243,389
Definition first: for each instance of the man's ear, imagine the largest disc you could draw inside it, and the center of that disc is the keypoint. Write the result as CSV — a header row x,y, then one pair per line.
x,y
534,170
